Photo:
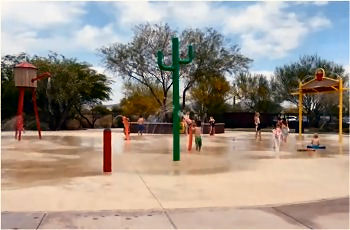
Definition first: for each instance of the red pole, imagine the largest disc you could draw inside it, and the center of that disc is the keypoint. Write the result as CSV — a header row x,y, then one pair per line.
x,y
107,150
19,125
36,112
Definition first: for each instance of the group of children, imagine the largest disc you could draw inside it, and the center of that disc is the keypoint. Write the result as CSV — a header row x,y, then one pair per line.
x,y
280,133
126,124
195,125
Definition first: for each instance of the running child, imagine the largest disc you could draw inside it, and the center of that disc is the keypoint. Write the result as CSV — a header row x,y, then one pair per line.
x,y
277,136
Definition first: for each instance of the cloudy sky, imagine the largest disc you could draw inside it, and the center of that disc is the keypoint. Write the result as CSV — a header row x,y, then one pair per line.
x,y
271,33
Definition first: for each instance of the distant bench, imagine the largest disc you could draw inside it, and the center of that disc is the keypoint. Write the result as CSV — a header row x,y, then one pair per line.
x,y
167,128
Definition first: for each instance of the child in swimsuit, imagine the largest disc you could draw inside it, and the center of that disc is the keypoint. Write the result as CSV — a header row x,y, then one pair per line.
x,y
277,136
140,125
285,130
198,136
315,142
212,126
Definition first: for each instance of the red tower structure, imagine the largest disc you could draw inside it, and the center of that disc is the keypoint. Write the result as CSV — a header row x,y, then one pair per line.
x,y
26,78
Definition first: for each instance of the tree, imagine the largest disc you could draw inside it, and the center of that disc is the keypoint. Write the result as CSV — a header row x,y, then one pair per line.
x,y
97,112
136,61
9,93
209,95
287,77
213,56
72,85
139,100
254,93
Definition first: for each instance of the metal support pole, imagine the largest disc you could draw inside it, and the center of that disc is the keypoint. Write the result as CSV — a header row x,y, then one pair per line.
x,y
19,123
176,99
107,151
300,108
36,112
340,109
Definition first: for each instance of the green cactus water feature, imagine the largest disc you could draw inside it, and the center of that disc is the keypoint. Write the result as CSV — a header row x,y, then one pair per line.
x,y
175,69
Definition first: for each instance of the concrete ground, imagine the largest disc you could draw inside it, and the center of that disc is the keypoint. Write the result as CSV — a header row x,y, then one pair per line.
x,y
323,214
58,181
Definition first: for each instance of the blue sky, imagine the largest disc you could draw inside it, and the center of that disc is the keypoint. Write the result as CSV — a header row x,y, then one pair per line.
x,y
271,33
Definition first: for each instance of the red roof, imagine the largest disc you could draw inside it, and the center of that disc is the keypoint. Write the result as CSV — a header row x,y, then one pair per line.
x,y
25,65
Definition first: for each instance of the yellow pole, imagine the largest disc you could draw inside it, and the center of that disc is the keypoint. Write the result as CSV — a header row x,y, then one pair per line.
x,y
340,109
300,108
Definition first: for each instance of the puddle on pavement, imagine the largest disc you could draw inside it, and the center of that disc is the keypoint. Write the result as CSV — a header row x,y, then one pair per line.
x,y
56,159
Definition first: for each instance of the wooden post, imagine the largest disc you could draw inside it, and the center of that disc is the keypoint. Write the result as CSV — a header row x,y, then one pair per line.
x,y
36,112
340,109
19,123
300,108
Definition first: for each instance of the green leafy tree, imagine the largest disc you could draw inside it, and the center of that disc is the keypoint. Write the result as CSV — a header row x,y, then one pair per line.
x,y
136,60
286,80
213,56
72,86
209,95
97,112
9,93
254,93
139,100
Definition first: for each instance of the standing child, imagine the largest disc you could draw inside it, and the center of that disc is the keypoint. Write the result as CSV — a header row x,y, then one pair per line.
x,y
257,126
188,122
285,130
198,135
140,124
212,126
277,136
126,127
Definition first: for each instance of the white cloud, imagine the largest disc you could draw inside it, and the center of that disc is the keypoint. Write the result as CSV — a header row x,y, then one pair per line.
x,y
40,15
35,27
139,12
196,14
91,37
265,29
317,3
268,29
320,3
30,42
318,22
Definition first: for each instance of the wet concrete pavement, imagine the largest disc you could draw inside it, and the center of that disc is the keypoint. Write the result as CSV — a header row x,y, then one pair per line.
x,y
62,155
323,214
63,172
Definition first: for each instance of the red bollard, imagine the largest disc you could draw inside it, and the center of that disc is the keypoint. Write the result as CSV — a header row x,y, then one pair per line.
x,y
107,150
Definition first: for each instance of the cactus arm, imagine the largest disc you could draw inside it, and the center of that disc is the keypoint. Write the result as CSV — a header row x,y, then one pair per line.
x,y
161,64
190,56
